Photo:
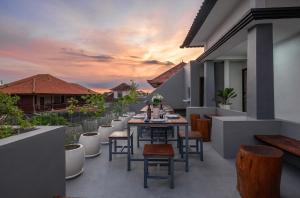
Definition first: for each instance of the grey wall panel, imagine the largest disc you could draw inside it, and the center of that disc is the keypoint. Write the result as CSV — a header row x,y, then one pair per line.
x,y
286,78
33,164
173,91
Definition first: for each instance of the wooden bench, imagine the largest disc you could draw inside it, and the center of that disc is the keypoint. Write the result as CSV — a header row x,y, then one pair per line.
x,y
284,143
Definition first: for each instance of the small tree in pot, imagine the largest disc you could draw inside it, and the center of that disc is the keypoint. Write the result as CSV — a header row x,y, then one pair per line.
x,y
226,96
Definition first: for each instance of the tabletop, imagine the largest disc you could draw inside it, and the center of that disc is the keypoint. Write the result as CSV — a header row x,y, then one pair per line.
x,y
175,121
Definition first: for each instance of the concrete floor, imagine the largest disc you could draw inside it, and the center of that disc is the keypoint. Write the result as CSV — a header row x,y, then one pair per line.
x,y
213,178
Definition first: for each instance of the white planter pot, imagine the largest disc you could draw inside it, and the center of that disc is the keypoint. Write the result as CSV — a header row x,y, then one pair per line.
x,y
118,125
74,160
125,119
91,144
224,106
105,131
155,113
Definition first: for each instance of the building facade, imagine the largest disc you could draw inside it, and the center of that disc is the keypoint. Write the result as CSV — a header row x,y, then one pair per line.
x,y
44,92
252,46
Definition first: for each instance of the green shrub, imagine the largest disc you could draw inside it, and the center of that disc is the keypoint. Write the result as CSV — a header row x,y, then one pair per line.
x,y
48,119
5,131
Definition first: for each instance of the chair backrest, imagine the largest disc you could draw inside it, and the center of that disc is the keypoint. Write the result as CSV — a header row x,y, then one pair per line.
x,y
203,126
194,118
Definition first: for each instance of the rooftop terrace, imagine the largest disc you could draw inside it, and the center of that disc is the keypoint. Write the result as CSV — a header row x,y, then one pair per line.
x,y
214,177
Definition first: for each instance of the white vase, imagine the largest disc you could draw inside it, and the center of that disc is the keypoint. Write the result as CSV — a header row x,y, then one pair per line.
x,y
117,124
91,143
74,160
125,119
105,131
225,106
155,112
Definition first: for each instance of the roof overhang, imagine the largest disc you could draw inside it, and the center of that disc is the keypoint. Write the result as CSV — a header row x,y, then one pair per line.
x,y
237,34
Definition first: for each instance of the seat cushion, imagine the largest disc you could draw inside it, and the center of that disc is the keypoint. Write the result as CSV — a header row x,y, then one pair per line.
x,y
158,150
191,134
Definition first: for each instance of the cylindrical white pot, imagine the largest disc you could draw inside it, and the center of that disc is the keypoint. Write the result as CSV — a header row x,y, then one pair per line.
x,y
74,160
117,124
125,118
91,143
105,131
131,113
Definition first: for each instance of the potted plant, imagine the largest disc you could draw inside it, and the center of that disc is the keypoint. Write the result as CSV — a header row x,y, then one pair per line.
x,y
156,101
74,160
73,130
104,131
226,96
91,143
118,110
94,108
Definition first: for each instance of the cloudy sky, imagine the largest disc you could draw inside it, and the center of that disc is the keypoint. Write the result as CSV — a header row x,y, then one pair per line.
x,y
97,43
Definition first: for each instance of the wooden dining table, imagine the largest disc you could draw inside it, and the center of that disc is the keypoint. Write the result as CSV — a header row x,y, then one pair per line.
x,y
174,122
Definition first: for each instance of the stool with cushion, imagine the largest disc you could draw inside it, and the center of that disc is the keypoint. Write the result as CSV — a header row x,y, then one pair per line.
x,y
192,135
114,137
159,152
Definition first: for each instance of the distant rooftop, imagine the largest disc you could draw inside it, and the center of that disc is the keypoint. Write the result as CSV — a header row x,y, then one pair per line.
x,y
121,87
157,81
44,84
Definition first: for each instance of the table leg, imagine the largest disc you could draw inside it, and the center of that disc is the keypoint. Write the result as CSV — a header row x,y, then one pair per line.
x,y
128,149
186,149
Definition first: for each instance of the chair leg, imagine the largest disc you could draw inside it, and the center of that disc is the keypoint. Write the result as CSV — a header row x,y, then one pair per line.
x,y
131,144
115,145
201,149
178,141
197,145
166,136
110,149
169,166
145,172
151,131
138,138
181,148
172,172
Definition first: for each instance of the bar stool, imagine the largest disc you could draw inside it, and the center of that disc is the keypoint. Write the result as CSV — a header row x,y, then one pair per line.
x,y
159,152
114,137
192,135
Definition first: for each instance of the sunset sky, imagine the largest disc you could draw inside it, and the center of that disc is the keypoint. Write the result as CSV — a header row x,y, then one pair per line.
x,y
97,43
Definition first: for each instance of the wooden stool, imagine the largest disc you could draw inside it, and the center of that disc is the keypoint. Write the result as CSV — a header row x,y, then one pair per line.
x,y
193,118
159,152
192,135
114,137
259,171
203,126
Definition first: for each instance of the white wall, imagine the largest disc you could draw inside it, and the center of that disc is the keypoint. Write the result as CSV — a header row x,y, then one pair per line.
x,y
286,79
233,79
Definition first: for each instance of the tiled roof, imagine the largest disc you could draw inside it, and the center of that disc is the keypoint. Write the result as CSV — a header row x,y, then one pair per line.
x,y
44,84
157,81
199,20
121,87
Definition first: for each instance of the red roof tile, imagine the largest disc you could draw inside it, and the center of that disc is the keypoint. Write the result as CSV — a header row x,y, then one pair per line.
x,y
44,84
121,87
157,81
